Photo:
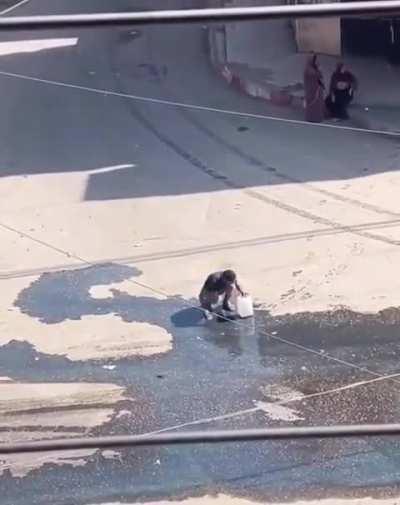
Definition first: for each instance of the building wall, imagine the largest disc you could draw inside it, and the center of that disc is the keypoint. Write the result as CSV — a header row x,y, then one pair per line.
x,y
321,36
253,43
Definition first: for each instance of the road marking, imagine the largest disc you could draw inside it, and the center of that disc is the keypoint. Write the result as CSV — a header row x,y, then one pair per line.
x,y
160,101
105,170
257,408
9,9
26,46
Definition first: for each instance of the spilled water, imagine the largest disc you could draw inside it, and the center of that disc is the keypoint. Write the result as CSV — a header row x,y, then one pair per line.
x,y
216,370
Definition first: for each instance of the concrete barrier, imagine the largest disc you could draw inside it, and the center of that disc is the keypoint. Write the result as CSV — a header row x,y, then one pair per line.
x,y
246,85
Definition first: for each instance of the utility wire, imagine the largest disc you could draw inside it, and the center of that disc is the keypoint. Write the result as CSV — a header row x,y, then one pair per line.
x,y
377,8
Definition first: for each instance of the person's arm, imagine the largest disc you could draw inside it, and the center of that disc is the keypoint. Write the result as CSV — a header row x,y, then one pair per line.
x,y
239,289
209,283
354,82
225,303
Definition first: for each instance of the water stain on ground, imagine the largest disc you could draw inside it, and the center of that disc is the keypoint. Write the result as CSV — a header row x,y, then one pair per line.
x,y
219,368
60,296
341,329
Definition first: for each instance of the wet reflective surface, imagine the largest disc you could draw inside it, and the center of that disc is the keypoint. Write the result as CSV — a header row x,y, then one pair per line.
x,y
221,373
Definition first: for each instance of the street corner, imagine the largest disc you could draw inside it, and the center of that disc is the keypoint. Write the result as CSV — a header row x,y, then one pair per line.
x,y
89,313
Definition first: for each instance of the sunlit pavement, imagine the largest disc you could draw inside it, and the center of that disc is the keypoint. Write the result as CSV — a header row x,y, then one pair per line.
x,y
114,208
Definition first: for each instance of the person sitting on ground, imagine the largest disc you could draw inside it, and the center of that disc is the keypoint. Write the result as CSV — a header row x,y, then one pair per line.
x,y
341,92
218,285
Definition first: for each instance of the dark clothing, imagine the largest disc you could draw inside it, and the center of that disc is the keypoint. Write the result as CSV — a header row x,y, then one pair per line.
x,y
214,287
341,92
216,282
337,104
342,80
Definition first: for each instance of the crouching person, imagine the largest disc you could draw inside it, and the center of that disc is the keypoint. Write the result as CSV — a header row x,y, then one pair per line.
x,y
218,290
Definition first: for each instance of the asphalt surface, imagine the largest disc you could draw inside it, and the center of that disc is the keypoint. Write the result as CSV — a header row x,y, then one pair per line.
x,y
217,374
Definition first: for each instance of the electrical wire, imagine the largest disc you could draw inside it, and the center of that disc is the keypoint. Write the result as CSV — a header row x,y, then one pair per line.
x,y
201,15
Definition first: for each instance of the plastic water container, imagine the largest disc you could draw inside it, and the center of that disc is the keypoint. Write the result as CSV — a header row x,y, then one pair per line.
x,y
244,306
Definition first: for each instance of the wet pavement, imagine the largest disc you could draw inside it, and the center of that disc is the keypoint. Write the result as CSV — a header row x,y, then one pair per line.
x,y
230,374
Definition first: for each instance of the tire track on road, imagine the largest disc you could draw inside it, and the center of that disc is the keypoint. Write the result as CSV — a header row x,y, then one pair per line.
x,y
278,174
193,251
225,181
272,171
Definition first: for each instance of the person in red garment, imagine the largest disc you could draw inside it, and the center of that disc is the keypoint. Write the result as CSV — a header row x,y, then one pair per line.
x,y
314,89
218,285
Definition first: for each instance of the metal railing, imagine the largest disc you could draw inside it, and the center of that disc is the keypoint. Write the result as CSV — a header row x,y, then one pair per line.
x,y
201,437
384,7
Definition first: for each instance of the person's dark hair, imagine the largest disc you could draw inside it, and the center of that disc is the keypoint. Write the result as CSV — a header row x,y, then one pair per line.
x,y
313,60
229,275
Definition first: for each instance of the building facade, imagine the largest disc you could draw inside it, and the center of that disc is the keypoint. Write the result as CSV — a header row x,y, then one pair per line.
x,y
362,36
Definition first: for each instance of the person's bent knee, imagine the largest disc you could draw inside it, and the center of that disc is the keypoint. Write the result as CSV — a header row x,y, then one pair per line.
x,y
204,301
208,299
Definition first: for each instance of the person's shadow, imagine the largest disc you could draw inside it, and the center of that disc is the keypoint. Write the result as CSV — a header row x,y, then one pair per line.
x,y
187,318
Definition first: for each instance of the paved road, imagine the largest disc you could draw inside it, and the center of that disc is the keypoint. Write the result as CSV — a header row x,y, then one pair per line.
x,y
113,209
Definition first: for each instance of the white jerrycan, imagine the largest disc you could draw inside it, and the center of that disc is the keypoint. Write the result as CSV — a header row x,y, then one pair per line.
x,y
244,306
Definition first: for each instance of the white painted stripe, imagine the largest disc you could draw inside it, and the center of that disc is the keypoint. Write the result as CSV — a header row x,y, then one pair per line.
x,y
35,45
238,413
104,170
9,9
160,101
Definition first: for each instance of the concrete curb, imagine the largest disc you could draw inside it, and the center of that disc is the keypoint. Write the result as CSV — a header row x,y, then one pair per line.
x,y
278,96
267,92
255,89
